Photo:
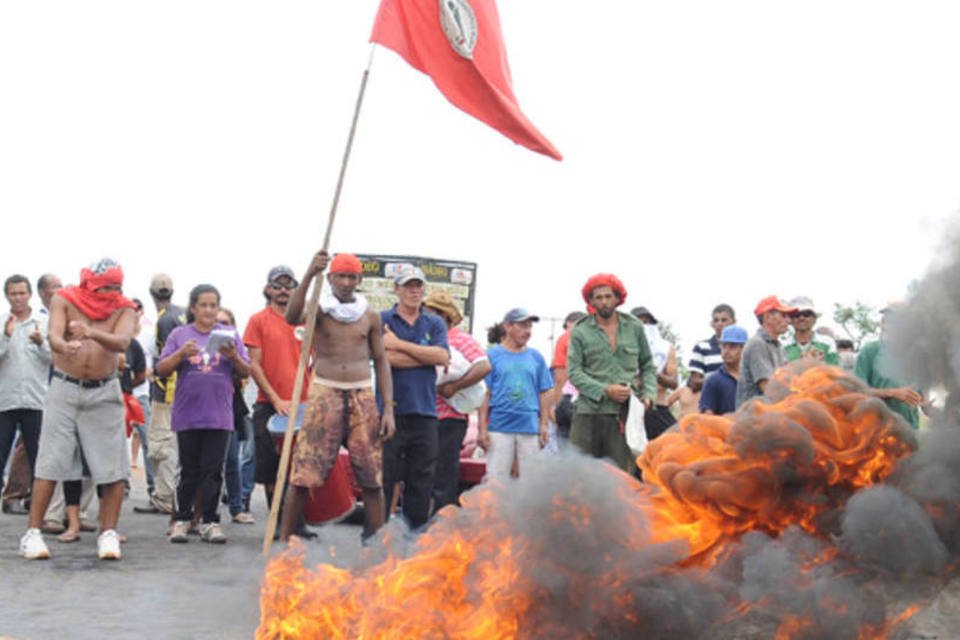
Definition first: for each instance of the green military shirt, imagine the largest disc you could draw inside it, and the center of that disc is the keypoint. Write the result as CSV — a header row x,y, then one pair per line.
x,y
593,366
825,344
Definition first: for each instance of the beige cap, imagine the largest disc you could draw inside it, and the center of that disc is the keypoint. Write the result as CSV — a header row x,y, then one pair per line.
x,y
161,286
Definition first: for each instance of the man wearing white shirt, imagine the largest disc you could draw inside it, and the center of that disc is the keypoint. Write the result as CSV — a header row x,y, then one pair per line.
x,y
24,370
659,418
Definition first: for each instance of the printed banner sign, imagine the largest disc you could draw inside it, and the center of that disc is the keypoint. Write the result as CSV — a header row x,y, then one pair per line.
x,y
459,279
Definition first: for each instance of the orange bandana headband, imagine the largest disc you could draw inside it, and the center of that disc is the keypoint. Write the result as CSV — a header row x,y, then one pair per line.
x,y
346,263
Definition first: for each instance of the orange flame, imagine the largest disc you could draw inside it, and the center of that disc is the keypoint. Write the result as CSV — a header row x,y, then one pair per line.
x,y
793,461
771,465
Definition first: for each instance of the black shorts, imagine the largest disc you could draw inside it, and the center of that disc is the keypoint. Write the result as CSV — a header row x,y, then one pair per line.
x,y
564,415
657,419
265,445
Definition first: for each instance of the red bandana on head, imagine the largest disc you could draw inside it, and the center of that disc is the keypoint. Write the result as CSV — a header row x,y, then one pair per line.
x,y
603,280
98,305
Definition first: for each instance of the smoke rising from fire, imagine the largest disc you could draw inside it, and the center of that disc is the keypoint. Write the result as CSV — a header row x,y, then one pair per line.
x,y
924,334
746,527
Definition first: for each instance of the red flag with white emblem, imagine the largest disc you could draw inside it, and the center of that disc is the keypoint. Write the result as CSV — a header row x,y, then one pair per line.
x,y
459,45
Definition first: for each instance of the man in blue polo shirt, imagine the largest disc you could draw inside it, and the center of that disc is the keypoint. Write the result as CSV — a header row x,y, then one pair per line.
x,y
719,395
416,342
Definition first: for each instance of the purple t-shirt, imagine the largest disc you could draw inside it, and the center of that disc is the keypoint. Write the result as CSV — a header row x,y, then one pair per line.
x,y
204,392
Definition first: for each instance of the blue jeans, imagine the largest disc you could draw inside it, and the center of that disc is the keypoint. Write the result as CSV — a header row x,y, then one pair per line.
x,y
248,464
231,475
142,431
238,470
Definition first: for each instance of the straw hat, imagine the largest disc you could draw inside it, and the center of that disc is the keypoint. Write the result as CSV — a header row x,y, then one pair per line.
x,y
444,304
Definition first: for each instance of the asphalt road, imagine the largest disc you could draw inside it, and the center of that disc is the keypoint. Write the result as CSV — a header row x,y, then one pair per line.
x,y
158,590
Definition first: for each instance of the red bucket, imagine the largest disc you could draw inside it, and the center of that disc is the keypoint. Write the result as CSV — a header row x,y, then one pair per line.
x,y
335,499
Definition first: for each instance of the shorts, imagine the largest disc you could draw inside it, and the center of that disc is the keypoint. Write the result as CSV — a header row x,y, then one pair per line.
x,y
335,417
656,420
83,424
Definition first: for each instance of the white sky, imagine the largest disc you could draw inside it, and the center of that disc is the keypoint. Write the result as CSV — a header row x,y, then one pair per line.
x,y
715,151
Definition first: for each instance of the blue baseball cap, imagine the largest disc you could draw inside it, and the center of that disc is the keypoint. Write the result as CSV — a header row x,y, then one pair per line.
x,y
519,315
734,334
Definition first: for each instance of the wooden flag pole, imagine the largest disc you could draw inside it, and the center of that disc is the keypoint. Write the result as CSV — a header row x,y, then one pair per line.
x,y
311,322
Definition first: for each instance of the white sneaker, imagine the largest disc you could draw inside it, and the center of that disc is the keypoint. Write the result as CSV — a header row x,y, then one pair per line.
x,y
178,533
32,546
108,545
210,532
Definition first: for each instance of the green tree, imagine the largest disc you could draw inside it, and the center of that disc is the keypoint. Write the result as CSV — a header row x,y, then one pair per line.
x,y
860,322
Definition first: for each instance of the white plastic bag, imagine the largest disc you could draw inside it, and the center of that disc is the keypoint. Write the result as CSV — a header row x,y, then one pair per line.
x,y
634,430
468,399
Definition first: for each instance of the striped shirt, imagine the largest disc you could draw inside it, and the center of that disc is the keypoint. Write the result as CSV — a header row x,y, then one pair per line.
x,y
706,356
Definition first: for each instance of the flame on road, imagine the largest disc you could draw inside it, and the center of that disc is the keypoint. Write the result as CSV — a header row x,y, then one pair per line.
x,y
579,550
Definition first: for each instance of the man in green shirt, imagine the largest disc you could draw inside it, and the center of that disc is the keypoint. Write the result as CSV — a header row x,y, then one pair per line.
x,y
874,368
805,342
608,360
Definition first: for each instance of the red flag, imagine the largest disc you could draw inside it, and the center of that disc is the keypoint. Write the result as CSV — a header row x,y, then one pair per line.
x,y
459,45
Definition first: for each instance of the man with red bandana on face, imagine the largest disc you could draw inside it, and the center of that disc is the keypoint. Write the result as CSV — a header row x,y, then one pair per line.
x,y
90,325
607,350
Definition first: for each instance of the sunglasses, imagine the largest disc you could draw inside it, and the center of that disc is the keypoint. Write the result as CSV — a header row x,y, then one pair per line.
x,y
803,314
276,286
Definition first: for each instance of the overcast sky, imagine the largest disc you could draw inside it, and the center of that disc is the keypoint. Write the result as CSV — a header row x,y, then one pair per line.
x,y
714,151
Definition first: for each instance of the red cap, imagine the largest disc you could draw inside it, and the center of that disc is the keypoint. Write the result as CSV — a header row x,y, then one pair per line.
x,y
345,263
771,303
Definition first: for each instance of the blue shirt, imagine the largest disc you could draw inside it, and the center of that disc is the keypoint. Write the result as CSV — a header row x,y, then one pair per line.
x,y
719,393
415,388
516,381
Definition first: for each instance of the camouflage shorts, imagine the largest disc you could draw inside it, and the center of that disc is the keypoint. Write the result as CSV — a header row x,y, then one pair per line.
x,y
335,417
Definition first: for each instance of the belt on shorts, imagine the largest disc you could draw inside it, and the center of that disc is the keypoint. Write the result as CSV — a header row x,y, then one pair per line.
x,y
84,384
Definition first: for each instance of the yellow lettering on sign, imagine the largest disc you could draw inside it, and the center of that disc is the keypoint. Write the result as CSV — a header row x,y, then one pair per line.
x,y
435,270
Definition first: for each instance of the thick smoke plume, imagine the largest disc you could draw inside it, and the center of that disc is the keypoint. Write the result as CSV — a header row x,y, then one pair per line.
x,y
777,523
924,333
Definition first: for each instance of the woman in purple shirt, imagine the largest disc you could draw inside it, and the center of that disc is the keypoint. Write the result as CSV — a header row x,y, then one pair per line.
x,y
205,356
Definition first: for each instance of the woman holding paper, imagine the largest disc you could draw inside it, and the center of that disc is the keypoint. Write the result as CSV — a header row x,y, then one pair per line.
x,y
205,355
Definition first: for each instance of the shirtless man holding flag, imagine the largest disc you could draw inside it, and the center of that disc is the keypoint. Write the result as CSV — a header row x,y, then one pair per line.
x,y
341,407
90,325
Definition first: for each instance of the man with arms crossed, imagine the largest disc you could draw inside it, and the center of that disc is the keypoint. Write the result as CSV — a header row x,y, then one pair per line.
x,y
416,342
341,407
90,325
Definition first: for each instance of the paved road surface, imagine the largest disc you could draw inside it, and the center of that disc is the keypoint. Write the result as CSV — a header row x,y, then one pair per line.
x,y
158,590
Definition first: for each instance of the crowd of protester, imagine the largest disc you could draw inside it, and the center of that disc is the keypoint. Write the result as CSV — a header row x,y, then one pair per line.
x,y
85,372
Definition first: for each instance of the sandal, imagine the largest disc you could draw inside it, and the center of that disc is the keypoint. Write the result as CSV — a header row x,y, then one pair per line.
x,y
69,536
